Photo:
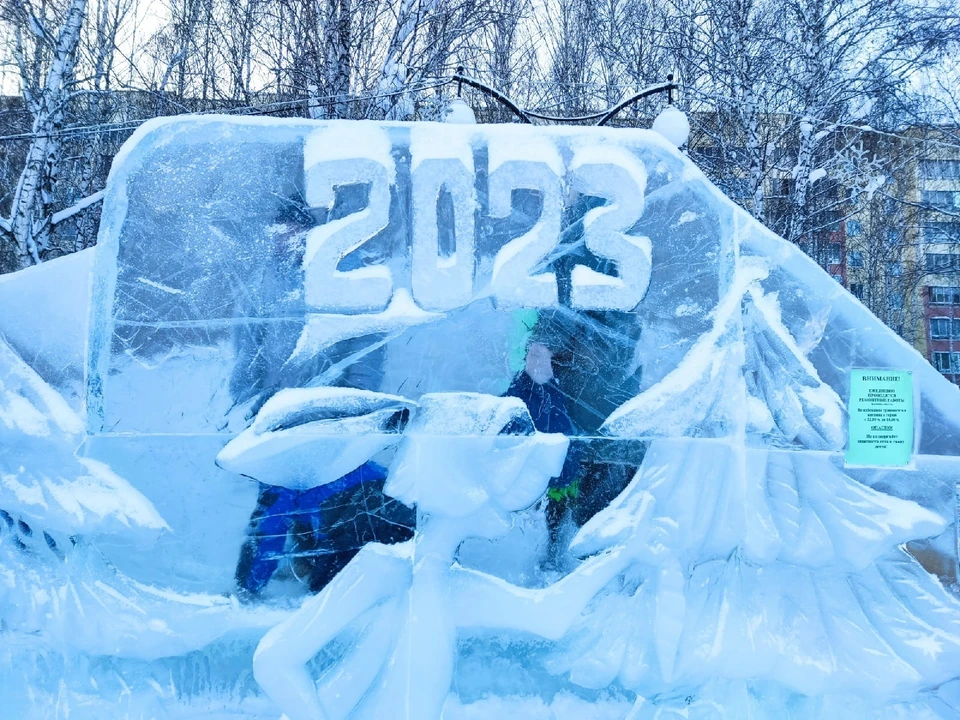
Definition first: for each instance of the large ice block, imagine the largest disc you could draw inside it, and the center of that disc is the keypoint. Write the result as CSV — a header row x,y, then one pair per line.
x,y
209,258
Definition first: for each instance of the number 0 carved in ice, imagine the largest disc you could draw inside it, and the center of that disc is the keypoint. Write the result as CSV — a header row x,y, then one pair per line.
x,y
441,158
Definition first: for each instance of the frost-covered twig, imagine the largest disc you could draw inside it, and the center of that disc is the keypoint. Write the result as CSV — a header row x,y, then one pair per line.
x,y
67,213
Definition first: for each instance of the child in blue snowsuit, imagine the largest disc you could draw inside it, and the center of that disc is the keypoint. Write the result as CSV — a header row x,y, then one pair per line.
x,y
537,387
327,526
547,407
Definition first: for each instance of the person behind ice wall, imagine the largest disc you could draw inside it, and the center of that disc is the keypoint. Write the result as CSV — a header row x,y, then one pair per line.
x,y
320,497
261,349
536,385
585,360
591,360
466,461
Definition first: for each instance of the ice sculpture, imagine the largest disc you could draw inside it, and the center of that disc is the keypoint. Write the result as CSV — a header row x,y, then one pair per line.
x,y
297,297
466,462
776,564
42,482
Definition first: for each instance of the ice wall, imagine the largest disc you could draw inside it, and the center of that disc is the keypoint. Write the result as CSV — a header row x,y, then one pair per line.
x,y
207,257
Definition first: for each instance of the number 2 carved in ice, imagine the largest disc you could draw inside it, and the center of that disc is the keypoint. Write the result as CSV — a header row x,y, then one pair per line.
x,y
530,164
338,157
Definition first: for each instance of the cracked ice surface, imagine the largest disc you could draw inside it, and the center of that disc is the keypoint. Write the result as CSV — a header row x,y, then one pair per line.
x,y
286,300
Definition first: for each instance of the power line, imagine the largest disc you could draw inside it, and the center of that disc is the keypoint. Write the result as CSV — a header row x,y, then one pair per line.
x,y
265,109
279,106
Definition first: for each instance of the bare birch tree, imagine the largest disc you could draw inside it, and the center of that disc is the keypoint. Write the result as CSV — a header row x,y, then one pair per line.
x,y
31,218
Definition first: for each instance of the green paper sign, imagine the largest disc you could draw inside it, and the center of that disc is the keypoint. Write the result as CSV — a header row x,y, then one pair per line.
x,y
881,418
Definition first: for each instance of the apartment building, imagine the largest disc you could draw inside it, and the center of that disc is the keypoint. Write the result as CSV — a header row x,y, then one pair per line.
x,y
938,187
899,252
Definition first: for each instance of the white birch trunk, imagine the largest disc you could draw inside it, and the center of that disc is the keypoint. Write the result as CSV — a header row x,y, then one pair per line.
x,y
393,76
801,174
813,78
337,60
30,221
749,112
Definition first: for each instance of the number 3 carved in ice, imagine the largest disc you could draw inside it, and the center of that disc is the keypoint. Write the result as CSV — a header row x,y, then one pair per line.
x,y
336,157
619,177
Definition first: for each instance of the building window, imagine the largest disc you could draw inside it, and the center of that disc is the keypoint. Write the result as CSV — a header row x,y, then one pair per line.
x,y
896,300
942,262
941,199
894,269
708,153
945,295
855,258
894,237
829,220
854,228
941,232
947,362
857,290
944,328
834,256
783,154
830,188
940,169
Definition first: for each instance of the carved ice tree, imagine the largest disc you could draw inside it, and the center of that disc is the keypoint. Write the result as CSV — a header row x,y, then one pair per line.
x,y
774,573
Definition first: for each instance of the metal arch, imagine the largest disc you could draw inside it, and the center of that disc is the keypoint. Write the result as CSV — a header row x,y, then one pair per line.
x,y
602,117
462,79
667,87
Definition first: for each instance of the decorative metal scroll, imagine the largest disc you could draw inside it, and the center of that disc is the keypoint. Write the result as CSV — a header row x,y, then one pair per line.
x,y
527,116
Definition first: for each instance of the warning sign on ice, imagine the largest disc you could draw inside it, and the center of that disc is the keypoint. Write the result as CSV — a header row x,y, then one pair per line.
x,y
881,418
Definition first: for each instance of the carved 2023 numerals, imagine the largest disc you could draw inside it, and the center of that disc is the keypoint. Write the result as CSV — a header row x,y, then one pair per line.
x,y
442,159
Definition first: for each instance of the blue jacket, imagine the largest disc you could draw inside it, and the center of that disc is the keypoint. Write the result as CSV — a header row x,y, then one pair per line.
x,y
548,409
278,508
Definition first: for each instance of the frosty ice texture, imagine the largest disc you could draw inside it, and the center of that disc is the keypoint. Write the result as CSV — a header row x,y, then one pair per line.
x,y
307,437
728,564
62,603
42,482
